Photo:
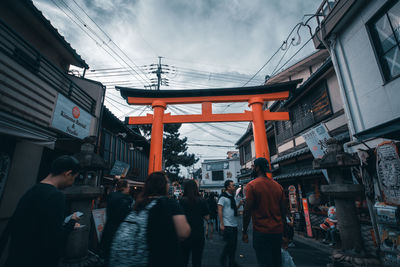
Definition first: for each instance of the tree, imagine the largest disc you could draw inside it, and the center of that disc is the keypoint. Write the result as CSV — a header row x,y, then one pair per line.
x,y
175,148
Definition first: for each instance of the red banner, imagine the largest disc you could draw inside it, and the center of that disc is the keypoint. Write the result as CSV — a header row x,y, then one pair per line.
x,y
307,216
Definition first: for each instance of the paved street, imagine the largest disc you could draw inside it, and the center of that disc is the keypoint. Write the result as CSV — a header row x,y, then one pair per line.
x,y
303,254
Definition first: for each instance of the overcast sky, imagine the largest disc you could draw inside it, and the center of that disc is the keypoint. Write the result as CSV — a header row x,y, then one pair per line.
x,y
205,43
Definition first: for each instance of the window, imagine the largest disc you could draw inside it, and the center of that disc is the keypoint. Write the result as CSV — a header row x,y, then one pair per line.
x,y
247,152
385,32
217,175
107,146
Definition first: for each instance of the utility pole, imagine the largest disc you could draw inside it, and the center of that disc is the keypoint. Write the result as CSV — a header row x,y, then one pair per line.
x,y
158,70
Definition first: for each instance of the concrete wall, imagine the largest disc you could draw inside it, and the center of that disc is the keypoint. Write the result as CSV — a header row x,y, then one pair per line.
x,y
363,85
23,172
334,92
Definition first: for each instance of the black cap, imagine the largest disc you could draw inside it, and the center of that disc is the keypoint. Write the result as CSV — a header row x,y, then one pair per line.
x,y
263,164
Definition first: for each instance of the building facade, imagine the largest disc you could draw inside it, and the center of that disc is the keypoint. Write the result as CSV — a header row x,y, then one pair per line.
x,y
215,172
44,111
362,37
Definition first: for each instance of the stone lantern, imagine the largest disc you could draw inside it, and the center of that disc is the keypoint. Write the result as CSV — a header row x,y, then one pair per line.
x,y
341,187
80,196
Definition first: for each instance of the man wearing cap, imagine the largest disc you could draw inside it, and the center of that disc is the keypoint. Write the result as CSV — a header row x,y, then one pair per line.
x,y
266,206
37,231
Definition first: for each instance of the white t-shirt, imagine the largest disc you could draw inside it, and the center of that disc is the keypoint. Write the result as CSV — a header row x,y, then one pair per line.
x,y
228,213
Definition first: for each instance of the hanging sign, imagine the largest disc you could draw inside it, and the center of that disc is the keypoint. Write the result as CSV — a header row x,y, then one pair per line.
x,y
316,139
70,118
120,168
388,169
99,218
307,217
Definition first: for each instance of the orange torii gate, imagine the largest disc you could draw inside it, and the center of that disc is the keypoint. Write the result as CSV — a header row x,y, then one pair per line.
x,y
159,99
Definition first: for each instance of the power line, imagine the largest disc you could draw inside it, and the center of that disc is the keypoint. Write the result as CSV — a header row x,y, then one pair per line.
x,y
110,38
91,37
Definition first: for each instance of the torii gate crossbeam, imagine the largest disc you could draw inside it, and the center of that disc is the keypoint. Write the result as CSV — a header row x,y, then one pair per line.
x,y
255,96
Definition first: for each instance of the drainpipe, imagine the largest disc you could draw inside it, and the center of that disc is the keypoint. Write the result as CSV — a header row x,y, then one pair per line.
x,y
338,70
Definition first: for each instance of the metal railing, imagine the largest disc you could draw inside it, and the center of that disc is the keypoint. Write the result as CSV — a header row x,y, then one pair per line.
x,y
22,52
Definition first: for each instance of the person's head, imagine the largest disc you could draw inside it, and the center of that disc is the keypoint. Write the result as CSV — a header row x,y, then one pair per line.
x,y
122,186
156,184
229,186
260,167
64,169
190,190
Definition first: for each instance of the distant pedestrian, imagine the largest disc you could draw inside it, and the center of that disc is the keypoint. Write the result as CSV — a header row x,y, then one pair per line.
x,y
119,203
228,216
150,234
266,206
37,230
213,207
196,211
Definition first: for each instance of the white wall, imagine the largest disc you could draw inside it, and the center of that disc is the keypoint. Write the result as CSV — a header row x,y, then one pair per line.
x,y
234,168
371,101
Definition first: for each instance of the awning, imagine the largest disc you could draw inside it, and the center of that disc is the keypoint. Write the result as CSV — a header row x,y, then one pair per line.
x,y
22,129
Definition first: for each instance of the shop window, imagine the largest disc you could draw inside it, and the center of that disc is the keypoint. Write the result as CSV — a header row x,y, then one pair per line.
x,y
118,151
385,32
113,147
247,152
217,175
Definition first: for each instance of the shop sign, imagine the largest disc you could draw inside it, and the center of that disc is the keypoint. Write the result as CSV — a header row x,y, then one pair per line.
x,y
120,168
70,118
388,169
216,166
316,139
99,218
292,199
307,217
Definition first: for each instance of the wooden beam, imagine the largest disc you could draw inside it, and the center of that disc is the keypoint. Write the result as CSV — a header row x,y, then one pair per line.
x,y
214,99
208,117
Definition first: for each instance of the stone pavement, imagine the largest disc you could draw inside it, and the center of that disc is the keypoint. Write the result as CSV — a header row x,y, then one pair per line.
x,y
305,253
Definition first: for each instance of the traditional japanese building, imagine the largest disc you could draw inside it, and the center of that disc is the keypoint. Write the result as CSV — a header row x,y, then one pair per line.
x,y
44,111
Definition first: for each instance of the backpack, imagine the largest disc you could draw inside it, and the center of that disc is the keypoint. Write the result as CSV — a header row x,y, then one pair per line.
x,y
129,245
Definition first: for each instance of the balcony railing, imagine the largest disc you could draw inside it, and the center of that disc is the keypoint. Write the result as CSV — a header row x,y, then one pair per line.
x,y
18,49
324,9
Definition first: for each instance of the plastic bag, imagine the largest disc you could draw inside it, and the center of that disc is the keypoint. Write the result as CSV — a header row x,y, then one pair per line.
x,y
287,260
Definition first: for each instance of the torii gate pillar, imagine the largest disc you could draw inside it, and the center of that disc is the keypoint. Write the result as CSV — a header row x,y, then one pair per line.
x,y
157,130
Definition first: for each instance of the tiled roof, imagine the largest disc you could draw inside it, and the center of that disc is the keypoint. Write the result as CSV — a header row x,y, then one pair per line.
x,y
299,173
52,29
291,155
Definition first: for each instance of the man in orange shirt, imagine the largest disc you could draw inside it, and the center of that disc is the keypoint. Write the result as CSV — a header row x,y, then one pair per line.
x,y
266,206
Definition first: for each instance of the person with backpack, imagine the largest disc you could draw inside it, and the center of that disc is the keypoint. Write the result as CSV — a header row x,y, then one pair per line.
x,y
212,206
196,211
119,203
150,235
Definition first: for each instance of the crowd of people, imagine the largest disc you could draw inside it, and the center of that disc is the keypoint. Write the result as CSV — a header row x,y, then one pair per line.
x,y
154,229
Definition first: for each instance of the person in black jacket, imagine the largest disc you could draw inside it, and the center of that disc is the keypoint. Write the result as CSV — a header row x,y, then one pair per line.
x,y
37,228
196,211
213,208
119,203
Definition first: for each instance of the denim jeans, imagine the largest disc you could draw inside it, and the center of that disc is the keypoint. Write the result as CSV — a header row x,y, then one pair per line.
x,y
268,249
230,238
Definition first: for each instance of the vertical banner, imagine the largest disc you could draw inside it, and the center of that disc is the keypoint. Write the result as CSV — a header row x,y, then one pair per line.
x,y
99,217
307,217
388,169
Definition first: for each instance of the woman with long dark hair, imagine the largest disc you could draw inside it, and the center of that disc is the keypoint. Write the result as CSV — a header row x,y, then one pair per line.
x,y
196,211
165,225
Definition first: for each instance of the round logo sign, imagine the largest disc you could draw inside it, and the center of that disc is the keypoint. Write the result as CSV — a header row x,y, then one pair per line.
x,y
76,112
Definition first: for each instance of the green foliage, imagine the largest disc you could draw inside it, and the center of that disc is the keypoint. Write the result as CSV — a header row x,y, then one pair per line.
x,y
174,150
